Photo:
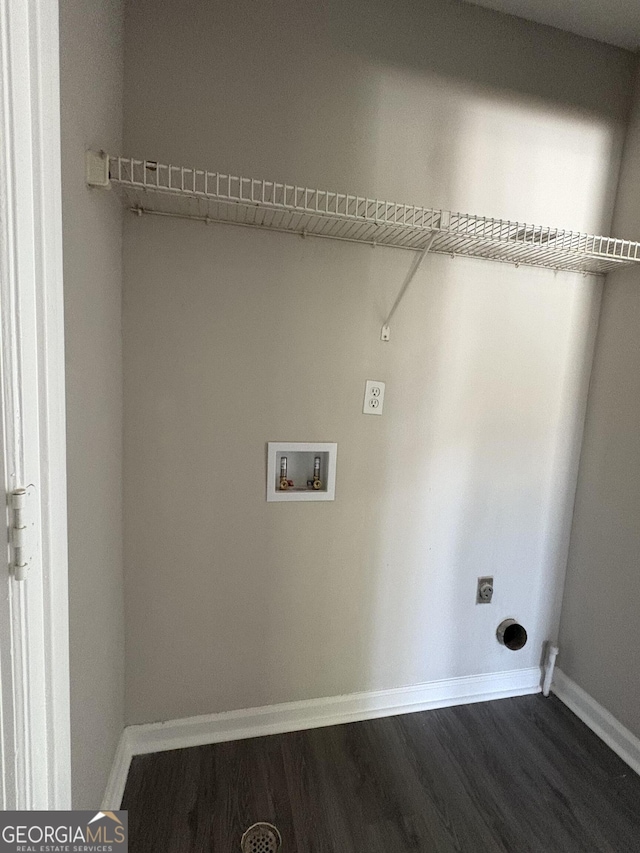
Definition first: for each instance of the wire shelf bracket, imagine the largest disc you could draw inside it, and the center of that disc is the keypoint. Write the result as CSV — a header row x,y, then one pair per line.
x,y
413,269
149,187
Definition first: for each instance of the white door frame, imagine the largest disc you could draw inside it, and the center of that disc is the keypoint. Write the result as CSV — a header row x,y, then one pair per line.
x,y
34,636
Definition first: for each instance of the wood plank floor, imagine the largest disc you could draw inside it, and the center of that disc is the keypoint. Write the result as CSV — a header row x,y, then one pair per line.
x,y
511,776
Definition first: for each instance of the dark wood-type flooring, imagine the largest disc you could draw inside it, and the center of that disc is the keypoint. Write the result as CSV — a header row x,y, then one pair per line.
x,y
513,776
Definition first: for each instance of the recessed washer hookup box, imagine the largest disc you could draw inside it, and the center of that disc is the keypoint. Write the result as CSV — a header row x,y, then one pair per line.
x,y
301,471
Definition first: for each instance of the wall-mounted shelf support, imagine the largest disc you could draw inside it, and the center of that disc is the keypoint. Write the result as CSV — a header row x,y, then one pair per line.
x,y
413,269
96,164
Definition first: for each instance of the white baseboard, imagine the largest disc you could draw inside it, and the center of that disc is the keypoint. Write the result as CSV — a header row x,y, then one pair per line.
x,y
310,714
598,719
118,776
313,713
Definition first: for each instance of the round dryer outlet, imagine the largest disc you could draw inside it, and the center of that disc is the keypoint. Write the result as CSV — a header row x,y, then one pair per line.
x,y
484,592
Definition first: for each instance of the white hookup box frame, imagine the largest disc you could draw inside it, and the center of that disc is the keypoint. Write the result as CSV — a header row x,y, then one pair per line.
x,y
300,457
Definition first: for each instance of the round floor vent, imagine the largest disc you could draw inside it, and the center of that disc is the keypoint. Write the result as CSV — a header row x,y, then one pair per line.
x,y
261,838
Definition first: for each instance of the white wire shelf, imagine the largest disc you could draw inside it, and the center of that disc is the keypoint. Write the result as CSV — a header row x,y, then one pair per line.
x,y
154,188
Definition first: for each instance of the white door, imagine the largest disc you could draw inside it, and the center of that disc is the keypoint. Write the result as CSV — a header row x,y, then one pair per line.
x,y
34,670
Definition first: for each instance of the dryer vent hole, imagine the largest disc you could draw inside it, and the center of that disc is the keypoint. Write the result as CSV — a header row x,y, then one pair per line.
x,y
512,635
261,838
515,637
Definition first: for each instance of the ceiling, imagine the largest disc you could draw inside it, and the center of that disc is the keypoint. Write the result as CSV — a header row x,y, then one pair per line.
x,y
613,21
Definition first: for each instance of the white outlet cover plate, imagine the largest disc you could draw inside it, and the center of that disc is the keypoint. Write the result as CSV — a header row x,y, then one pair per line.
x,y
373,397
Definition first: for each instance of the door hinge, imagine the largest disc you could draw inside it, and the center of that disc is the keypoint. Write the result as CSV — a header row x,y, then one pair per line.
x,y
21,534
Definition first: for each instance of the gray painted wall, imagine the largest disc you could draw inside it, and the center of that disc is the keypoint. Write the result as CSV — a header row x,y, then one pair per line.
x,y
91,92
600,626
233,338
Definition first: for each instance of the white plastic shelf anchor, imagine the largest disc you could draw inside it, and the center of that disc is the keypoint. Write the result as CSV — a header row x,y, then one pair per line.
x,y
97,169
413,269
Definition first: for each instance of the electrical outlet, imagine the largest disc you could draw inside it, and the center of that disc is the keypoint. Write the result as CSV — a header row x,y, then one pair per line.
x,y
373,397
484,592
